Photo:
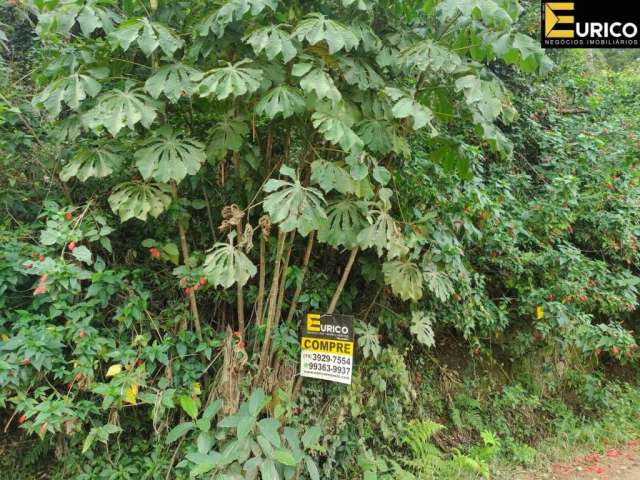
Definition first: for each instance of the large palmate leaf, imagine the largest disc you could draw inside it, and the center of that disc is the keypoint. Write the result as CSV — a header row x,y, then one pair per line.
x,y
116,109
148,35
94,161
345,219
227,135
317,81
293,206
234,79
490,12
438,282
231,11
139,200
406,106
405,279
422,328
71,90
168,156
377,135
283,100
487,101
175,81
273,41
429,56
316,28
226,265
67,13
382,231
360,73
331,176
335,129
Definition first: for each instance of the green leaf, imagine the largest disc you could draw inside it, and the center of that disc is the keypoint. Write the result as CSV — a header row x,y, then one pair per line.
x,y
320,82
381,174
138,200
293,206
189,405
269,428
83,254
116,109
273,41
232,80
71,90
245,424
422,328
231,11
179,431
311,437
257,401
316,28
312,468
368,339
175,81
227,135
438,282
226,265
283,100
284,457
268,470
404,278
95,161
429,56
331,176
345,220
148,35
361,74
407,107
335,130
168,156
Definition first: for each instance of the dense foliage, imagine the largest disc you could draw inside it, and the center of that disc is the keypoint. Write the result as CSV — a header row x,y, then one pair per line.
x,y
184,181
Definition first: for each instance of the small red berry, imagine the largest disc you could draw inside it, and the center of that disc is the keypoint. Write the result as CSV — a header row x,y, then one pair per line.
x,y
26,361
68,216
155,253
615,350
71,246
22,419
202,281
196,287
81,334
151,381
41,258
43,428
236,333
186,291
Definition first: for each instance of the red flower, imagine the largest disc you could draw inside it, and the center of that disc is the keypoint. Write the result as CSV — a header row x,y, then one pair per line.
x,y
202,281
155,253
41,258
71,246
22,419
68,216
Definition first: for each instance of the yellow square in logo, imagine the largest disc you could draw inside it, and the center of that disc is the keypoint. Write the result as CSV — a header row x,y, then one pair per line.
x,y
313,322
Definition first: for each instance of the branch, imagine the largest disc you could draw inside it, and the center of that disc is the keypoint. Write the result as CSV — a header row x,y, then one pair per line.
x,y
343,280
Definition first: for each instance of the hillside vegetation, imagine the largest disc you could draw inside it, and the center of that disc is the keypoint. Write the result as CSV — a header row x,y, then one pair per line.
x,y
182,182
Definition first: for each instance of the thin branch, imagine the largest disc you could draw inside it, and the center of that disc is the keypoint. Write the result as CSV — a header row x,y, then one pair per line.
x,y
343,280
305,268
